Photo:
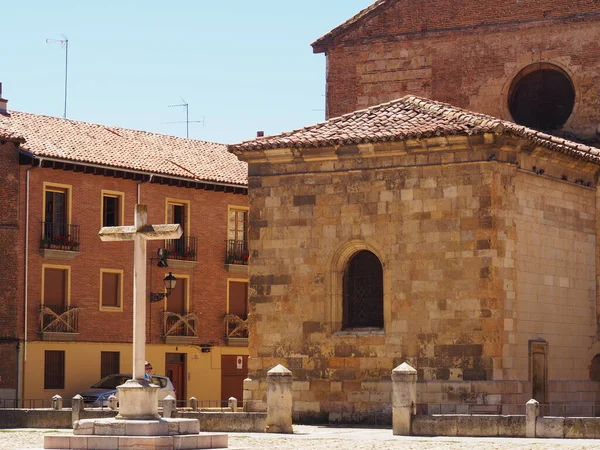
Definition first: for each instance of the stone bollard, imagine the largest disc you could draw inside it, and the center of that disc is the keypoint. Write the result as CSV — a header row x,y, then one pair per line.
x,y
279,400
113,402
194,403
76,408
57,402
232,403
404,397
246,394
169,406
532,411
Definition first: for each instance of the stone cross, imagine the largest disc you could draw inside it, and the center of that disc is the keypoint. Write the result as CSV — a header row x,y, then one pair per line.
x,y
139,233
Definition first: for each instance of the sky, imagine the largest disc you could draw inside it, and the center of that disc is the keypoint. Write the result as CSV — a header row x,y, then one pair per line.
x,y
242,66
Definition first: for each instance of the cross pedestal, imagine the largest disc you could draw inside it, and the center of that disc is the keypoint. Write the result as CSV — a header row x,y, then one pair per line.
x,y
138,424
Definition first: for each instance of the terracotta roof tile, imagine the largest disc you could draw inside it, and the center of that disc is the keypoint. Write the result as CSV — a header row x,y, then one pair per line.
x,y
406,118
122,148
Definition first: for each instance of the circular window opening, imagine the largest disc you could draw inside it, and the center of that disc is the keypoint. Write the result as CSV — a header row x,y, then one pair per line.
x,y
541,97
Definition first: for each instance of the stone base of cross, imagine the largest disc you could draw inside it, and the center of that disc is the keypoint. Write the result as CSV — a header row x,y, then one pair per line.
x,y
138,399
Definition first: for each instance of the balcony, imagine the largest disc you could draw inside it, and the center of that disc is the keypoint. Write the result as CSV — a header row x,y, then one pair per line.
x,y
236,330
59,323
59,241
236,258
179,328
182,253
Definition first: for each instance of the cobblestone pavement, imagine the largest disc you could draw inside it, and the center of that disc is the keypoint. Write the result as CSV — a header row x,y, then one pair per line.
x,y
334,438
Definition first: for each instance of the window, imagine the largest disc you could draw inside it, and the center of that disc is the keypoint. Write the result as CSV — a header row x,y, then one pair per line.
x,y
177,302
237,236
237,229
363,292
56,286
541,96
109,363
112,208
54,369
238,298
56,228
178,211
111,289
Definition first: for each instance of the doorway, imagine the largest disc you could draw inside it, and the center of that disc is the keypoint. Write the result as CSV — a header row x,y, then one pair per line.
x,y
175,370
538,370
234,370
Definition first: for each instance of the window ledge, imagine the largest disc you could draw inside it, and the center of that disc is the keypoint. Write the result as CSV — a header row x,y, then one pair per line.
x,y
237,342
237,268
65,255
358,332
181,263
53,336
180,340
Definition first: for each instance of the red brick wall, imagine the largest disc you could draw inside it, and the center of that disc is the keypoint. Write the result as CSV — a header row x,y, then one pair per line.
x,y
466,54
11,264
208,221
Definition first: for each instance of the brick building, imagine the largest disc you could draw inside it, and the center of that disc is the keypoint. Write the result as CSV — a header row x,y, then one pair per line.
x,y
66,316
491,58
418,231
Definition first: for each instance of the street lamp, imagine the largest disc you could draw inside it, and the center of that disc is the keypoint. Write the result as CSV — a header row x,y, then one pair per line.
x,y
170,282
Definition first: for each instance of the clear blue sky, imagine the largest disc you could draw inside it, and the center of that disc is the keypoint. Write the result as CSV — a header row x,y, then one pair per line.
x,y
241,65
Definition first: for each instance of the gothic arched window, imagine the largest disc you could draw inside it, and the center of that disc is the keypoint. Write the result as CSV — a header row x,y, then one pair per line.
x,y
363,292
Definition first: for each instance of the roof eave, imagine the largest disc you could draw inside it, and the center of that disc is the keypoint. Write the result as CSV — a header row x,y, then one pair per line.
x,y
139,172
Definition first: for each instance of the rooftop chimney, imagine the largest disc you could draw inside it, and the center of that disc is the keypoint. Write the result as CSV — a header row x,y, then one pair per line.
x,y
258,133
3,102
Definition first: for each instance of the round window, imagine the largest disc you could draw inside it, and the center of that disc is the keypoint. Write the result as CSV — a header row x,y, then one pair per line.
x,y
542,96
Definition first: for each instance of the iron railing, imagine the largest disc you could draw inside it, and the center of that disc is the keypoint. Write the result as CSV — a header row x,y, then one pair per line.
x,y
60,236
184,248
180,324
237,252
59,319
236,326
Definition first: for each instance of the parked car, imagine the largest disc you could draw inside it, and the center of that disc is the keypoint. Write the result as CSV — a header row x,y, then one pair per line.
x,y
97,395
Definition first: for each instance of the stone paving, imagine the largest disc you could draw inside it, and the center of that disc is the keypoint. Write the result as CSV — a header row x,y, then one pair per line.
x,y
337,438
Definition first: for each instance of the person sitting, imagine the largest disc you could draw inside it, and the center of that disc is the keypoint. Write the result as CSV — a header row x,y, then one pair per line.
x,y
148,372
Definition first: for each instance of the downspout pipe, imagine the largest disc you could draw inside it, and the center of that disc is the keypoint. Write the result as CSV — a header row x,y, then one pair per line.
x,y
21,376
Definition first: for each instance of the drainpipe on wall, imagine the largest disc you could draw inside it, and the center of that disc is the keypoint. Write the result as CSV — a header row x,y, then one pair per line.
x,y
21,377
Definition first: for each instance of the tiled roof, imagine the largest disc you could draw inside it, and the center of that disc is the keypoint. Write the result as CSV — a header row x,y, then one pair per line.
x,y
349,23
409,118
83,142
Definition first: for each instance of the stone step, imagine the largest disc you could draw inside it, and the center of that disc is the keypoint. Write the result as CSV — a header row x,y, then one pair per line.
x,y
95,442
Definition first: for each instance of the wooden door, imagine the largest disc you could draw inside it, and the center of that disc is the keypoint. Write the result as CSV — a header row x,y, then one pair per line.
x,y
234,370
538,351
175,370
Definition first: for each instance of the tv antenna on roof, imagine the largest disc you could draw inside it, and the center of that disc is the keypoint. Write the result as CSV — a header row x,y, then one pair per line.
x,y
187,117
64,43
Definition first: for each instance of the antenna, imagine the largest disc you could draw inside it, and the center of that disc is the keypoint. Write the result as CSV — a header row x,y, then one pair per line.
x,y
187,117
64,43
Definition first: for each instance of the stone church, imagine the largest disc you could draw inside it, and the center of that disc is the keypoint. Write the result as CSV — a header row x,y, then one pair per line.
x,y
444,215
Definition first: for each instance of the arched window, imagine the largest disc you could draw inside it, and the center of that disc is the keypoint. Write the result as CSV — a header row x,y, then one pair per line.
x,y
542,97
363,292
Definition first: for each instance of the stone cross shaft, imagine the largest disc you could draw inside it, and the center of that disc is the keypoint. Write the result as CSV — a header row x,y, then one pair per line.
x,y
139,233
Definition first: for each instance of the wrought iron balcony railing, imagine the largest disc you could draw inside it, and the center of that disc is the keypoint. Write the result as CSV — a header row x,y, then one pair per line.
x,y
60,236
235,326
59,319
180,324
237,252
184,248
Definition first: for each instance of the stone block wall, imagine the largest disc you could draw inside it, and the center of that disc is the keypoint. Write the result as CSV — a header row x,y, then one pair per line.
x,y
446,223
